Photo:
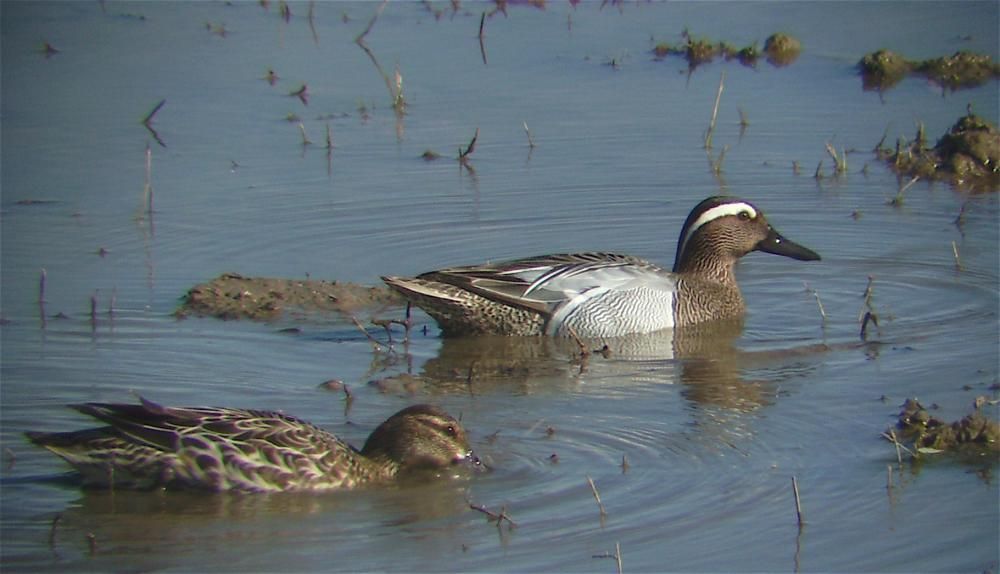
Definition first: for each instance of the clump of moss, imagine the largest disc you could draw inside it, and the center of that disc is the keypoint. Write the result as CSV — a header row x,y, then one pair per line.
x,y
747,56
968,154
698,51
782,49
971,148
960,70
930,434
884,69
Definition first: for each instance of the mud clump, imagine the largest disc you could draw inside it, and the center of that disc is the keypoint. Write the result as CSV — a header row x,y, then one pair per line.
x,y
780,49
884,69
968,154
977,431
961,70
233,296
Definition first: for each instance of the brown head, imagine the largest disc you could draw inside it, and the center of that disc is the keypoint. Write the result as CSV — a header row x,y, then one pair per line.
x,y
421,436
720,230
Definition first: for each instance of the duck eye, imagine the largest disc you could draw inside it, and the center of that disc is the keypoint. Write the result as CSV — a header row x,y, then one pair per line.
x,y
745,215
450,430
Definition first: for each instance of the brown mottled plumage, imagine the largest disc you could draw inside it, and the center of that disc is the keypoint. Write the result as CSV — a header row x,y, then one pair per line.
x,y
605,294
148,446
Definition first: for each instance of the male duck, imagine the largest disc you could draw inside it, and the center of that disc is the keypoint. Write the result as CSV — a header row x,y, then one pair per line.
x,y
605,294
220,449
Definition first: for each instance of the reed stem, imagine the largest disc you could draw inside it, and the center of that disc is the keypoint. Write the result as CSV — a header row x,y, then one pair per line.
x,y
798,502
715,112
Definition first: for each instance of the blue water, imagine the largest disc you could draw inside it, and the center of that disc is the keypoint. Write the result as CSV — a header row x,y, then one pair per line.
x,y
618,163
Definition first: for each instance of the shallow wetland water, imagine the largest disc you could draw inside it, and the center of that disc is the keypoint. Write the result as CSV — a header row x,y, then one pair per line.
x,y
712,428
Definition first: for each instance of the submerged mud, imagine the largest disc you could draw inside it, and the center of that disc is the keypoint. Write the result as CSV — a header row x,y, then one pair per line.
x,y
779,49
883,69
968,154
927,433
233,296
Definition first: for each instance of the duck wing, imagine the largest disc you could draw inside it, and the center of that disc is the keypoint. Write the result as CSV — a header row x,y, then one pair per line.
x,y
225,448
544,283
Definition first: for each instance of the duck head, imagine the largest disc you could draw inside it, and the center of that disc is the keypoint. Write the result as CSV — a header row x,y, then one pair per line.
x,y
420,437
720,230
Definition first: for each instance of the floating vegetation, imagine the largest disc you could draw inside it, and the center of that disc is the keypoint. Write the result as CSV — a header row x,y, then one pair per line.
x,y
302,93
978,431
781,50
48,50
216,29
884,69
968,154
271,76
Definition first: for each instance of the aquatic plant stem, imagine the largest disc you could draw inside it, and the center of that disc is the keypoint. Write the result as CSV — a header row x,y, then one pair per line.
x,y
891,437
898,200
597,497
822,311
305,138
494,516
798,502
147,122
715,112
52,529
397,95
482,45
375,343
312,23
867,313
617,556
147,188
839,161
41,286
463,156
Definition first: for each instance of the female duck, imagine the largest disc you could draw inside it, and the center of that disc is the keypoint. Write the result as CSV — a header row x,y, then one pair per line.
x,y
605,294
148,446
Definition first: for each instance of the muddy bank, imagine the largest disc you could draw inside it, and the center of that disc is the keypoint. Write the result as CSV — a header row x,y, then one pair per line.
x,y
884,69
976,432
233,296
968,154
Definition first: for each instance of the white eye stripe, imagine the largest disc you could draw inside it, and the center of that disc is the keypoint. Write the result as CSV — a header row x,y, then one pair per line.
x,y
715,213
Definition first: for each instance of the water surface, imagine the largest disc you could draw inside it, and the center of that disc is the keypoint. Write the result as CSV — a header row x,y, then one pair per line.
x,y
712,437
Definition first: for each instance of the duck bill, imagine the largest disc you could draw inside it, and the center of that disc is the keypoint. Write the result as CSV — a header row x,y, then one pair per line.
x,y
777,244
469,459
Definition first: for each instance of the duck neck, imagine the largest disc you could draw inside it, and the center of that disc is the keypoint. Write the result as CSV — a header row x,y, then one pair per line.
x,y
381,467
718,269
